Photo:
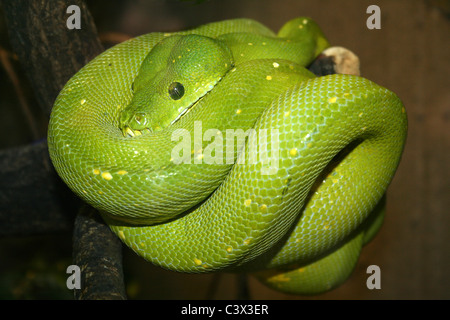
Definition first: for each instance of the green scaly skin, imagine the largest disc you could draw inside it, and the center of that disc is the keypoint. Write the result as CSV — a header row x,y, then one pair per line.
x,y
298,222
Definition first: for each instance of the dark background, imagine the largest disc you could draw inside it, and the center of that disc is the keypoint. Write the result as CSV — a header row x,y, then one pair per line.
x,y
409,55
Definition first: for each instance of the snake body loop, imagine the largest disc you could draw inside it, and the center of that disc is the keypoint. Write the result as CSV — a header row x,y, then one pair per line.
x,y
214,149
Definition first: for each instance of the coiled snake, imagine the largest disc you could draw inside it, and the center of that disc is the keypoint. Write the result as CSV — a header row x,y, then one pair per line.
x,y
215,149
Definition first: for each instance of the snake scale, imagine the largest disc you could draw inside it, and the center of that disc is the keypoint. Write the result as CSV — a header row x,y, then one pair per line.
x,y
215,149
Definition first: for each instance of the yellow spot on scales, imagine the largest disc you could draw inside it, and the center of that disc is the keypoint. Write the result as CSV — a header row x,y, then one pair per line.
x,y
287,113
263,208
107,176
275,65
248,202
82,101
229,249
293,152
121,235
122,172
280,278
360,115
269,78
332,100
96,171
327,225
238,111
197,261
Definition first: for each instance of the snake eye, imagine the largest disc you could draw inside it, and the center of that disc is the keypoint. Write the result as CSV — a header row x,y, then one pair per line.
x,y
176,90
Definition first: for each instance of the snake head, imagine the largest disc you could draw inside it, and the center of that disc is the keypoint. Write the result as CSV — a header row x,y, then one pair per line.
x,y
174,76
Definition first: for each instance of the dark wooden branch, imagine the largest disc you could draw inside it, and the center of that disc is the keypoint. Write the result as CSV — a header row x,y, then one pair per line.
x,y
33,198
49,52
98,253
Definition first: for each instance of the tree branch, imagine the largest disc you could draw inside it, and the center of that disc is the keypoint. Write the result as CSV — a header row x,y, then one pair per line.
x,y
98,253
49,52
34,199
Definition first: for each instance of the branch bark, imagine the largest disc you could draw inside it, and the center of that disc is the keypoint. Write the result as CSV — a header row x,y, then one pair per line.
x,y
98,253
49,52
33,198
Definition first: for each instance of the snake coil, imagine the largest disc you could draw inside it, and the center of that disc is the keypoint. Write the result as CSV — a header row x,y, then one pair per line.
x,y
215,149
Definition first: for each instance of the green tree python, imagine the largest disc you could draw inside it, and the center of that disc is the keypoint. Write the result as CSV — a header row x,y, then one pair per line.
x,y
215,149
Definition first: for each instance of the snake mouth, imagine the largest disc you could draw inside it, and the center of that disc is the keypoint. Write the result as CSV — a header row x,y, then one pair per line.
x,y
128,132
136,125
